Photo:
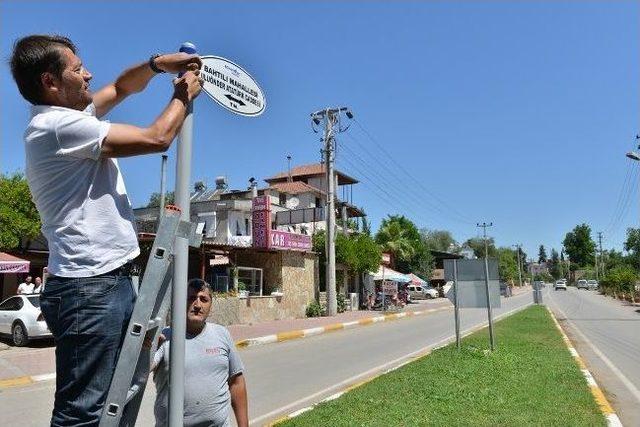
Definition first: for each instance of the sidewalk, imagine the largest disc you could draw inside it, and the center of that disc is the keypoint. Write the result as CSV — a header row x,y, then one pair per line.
x,y
37,362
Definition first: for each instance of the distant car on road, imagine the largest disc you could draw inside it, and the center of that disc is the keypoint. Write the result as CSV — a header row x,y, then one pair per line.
x,y
422,292
582,284
592,284
21,318
560,285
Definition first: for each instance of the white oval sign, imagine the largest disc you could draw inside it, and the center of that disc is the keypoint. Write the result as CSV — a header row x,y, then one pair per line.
x,y
231,86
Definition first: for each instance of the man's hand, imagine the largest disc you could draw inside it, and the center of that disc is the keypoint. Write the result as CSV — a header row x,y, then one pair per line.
x,y
188,87
178,62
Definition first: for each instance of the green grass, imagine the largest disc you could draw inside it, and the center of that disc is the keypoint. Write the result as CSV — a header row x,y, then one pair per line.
x,y
530,380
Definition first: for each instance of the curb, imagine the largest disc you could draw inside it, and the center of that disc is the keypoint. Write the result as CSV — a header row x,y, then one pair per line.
x,y
304,333
596,391
410,358
25,380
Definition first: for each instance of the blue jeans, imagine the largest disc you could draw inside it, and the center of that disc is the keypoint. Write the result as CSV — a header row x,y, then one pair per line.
x,y
88,318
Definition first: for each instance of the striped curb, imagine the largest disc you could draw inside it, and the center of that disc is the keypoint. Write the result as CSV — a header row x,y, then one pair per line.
x,y
596,391
25,380
304,333
415,356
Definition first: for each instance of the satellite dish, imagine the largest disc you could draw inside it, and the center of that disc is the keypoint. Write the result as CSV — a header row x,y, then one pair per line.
x,y
293,203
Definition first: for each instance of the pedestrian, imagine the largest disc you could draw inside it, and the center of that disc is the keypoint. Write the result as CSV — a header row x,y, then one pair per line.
x,y
86,215
213,372
25,287
37,286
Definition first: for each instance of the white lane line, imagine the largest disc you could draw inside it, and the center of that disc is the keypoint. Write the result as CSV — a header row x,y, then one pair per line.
x,y
626,381
44,377
378,369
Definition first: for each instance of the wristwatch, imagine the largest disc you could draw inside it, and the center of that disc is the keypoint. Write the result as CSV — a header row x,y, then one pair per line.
x,y
152,64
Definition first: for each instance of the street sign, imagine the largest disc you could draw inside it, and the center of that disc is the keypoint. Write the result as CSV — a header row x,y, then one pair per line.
x,y
472,291
231,86
389,287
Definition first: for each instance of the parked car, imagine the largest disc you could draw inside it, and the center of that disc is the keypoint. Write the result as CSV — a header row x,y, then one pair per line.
x,y
592,284
582,284
21,318
560,285
422,292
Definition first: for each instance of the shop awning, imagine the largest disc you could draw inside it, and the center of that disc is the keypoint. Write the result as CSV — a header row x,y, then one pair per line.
x,y
415,280
12,264
390,274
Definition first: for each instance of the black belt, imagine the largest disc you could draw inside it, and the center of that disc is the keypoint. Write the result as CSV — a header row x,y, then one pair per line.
x,y
127,269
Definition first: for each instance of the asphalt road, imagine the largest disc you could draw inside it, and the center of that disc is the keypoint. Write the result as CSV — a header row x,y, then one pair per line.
x,y
606,334
287,376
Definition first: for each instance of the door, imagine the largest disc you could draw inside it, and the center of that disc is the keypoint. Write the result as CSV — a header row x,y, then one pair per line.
x,y
8,311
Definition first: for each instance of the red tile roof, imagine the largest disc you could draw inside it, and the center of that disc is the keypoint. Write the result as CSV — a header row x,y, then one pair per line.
x,y
296,187
313,169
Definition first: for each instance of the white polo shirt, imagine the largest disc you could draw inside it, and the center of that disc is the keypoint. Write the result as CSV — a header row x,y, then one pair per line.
x,y
83,204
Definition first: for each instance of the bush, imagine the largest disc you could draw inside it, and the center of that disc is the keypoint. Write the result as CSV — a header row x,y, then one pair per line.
x,y
620,279
314,309
342,303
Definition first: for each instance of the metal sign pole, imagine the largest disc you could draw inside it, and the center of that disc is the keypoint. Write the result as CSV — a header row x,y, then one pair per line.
x,y
489,313
180,270
457,302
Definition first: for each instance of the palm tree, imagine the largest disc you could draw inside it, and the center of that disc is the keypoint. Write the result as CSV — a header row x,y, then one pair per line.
x,y
392,237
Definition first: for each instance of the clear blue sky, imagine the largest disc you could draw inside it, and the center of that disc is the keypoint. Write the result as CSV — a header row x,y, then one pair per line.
x,y
512,112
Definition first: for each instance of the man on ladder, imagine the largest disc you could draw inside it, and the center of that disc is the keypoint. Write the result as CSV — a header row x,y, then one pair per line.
x,y
86,215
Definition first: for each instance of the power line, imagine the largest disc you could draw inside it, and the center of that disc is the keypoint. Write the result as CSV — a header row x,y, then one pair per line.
x,y
622,195
453,215
403,169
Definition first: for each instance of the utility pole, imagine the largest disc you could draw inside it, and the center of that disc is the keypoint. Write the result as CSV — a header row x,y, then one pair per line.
x,y
484,226
332,122
601,255
519,270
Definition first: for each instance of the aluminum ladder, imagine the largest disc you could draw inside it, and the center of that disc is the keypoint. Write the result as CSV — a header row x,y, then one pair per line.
x,y
147,319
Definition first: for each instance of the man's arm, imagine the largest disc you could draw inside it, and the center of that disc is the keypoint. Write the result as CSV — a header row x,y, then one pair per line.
x,y
136,78
238,389
126,140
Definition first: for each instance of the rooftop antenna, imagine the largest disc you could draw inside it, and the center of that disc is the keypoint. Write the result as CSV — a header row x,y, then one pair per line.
x,y
289,179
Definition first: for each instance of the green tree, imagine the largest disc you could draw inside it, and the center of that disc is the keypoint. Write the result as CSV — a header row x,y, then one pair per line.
x,y
438,240
18,215
400,236
632,245
580,247
507,264
620,279
154,199
477,244
542,254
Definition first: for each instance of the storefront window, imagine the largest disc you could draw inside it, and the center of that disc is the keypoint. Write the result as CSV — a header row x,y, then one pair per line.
x,y
252,280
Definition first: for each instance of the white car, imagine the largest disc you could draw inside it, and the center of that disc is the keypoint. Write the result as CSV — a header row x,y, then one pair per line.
x,y
592,284
582,284
560,284
21,318
421,292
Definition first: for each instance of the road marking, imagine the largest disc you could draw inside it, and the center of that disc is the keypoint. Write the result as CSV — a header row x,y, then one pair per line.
x,y
371,374
15,382
626,381
601,400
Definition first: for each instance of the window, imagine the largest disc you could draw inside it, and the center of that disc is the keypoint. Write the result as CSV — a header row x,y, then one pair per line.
x,y
252,280
247,226
283,199
12,304
318,201
34,300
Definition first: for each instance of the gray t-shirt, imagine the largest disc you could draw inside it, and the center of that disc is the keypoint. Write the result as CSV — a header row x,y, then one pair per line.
x,y
211,359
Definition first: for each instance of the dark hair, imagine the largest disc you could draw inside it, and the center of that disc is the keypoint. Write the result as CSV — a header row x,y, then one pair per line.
x,y
34,55
198,285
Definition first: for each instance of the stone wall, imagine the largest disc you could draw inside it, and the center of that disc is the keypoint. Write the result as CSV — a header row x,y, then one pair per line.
x,y
294,273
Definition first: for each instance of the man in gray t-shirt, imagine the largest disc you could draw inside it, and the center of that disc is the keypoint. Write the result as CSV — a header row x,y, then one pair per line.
x,y
214,380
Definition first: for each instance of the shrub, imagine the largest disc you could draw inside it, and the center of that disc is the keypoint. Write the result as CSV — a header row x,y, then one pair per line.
x,y
314,309
342,303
